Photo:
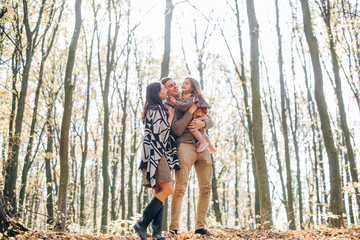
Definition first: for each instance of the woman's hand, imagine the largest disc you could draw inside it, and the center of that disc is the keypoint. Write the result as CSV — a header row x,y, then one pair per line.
x,y
171,111
173,100
157,188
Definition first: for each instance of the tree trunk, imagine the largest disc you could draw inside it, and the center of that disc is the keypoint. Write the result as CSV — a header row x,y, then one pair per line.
x,y
124,128
105,160
342,156
95,200
36,204
15,71
44,53
12,165
27,161
165,66
114,171
65,125
110,60
261,168
48,157
271,119
294,128
131,163
315,132
224,208
335,180
167,40
349,195
73,181
134,147
145,197
290,199
311,190
237,193
242,78
8,227
215,194
15,62
188,217
251,224
326,12
84,152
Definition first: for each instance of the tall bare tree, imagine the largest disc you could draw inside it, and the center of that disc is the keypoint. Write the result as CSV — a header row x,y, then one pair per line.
x,y
167,39
326,13
135,127
15,70
105,88
316,148
335,180
294,120
290,199
242,77
45,51
169,7
51,97
14,146
65,125
272,123
84,144
261,168
96,179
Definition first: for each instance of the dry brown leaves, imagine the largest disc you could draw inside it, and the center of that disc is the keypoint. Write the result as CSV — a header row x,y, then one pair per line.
x,y
223,233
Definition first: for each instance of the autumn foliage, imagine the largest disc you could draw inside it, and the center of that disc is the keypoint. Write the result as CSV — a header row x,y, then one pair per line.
x,y
223,233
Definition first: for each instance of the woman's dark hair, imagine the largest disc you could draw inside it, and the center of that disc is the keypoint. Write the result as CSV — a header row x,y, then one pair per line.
x,y
153,100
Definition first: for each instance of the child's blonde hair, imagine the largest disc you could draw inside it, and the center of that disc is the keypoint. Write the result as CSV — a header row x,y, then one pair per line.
x,y
196,87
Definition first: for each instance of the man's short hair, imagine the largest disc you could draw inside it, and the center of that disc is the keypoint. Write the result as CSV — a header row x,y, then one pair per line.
x,y
165,79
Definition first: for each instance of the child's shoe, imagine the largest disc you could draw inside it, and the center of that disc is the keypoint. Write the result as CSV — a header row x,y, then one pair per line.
x,y
202,146
211,149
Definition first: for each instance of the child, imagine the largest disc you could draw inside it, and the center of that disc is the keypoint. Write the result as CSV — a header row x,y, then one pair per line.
x,y
191,93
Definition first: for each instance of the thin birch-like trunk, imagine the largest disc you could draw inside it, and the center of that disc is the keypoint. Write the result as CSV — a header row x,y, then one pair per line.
x,y
65,126
290,199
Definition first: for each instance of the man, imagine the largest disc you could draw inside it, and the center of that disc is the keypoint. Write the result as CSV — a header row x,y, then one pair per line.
x,y
188,156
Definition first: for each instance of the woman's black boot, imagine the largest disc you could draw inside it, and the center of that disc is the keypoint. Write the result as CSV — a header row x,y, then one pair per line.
x,y
148,215
157,224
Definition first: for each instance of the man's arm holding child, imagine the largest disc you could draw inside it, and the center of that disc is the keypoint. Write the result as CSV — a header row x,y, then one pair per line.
x,y
198,124
179,125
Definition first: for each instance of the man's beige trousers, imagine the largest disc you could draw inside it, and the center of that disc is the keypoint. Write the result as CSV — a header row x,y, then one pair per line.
x,y
202,162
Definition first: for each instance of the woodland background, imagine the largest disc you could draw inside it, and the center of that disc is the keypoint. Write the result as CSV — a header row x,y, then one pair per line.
x,y
282,78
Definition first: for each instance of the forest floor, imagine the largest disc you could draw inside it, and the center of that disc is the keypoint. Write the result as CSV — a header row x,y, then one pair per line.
x,y
222,233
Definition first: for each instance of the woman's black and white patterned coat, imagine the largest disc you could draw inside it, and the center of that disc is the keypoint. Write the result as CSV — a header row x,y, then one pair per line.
x,y
157,142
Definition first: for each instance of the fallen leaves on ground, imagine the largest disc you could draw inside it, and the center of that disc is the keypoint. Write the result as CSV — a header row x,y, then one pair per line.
x,y
222,233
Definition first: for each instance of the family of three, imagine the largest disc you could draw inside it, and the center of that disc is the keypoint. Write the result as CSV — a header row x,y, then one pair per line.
x,y
175,139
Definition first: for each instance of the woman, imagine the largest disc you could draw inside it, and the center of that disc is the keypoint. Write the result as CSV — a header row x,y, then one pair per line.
x,y
158,157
